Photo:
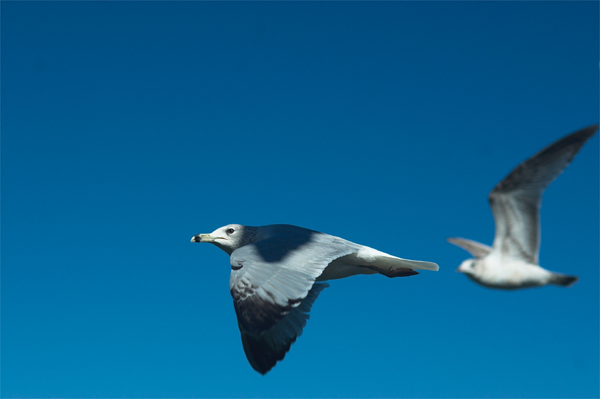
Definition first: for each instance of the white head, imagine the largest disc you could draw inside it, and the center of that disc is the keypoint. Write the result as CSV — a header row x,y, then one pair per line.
x,y
468,266
230,237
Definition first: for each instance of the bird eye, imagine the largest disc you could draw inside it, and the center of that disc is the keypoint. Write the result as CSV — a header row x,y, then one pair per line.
x,y
229,231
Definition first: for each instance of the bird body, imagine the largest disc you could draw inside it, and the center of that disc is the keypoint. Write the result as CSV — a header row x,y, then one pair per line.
x,y
512,261
496,272
277,272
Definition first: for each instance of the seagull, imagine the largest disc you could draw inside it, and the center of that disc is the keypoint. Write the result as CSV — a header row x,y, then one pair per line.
x,y
512,261
277,273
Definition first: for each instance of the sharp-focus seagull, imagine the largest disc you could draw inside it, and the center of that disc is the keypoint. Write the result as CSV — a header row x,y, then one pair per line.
x,y
512,261
277,273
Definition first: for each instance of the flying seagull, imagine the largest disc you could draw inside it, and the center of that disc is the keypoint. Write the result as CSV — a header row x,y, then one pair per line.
x,y
277,272
512,261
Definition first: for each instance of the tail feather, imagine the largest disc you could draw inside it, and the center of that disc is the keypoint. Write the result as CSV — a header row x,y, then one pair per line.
x,y
563,280
380,260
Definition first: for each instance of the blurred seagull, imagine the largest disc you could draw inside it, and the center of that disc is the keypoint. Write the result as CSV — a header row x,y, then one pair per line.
x,y
277,273
512,261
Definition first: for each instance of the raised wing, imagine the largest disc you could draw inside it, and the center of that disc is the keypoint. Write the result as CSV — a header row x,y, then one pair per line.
x,y
265,350
273,276
515,201
475,248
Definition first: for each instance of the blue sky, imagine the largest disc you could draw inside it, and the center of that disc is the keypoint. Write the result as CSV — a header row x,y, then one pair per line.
x,y
128,127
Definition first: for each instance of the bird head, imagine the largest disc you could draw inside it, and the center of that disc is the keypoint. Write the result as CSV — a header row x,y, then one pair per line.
x,y
468,266
228,238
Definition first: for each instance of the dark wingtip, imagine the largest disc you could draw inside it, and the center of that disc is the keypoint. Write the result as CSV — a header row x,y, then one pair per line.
x,y
264,350
260,356
391,273
563,280
586,132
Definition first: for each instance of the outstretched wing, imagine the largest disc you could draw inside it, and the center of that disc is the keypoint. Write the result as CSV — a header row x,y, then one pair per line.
x,y
515,201
273,276
475,248
265,350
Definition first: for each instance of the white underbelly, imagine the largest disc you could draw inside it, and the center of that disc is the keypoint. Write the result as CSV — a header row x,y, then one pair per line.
x,y
514,275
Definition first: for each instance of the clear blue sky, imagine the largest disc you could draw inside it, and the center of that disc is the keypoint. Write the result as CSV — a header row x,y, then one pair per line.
x,y
128,127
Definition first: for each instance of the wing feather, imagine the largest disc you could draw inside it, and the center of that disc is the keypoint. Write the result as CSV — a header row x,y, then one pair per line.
x,y
516,200
264,350
475,248
271,277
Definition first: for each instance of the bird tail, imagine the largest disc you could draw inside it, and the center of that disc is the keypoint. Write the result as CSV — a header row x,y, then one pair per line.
x,y
381,261
563,279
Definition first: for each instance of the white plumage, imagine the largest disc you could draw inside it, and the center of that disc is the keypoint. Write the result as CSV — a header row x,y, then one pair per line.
x,y
277,273
512,261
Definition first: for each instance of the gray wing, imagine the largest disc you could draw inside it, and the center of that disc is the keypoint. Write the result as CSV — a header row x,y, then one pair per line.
x,y
265,350
475,248
515,201
271,277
